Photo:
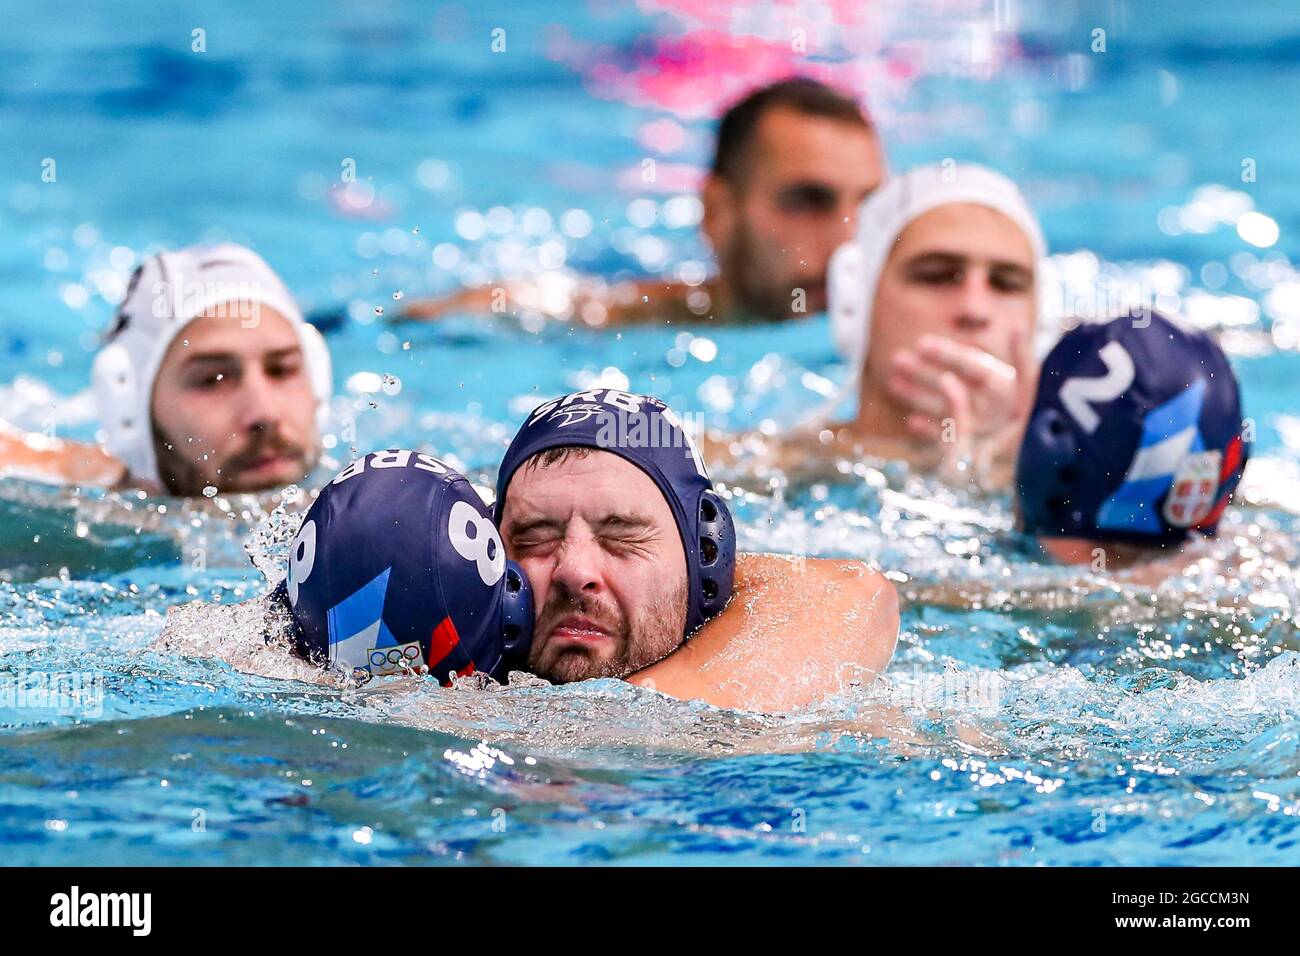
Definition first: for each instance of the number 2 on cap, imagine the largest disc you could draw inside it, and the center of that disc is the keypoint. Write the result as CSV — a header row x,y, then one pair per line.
x,y
1077,394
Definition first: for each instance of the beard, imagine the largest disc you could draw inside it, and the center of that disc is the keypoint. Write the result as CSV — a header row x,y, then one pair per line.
x,y
659,634
183,477
755,280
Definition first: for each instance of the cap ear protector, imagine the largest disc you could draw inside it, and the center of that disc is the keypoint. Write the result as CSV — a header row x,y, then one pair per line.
x,y
516,618
717,555
126,426
320,370
646,432
847,287
1051,485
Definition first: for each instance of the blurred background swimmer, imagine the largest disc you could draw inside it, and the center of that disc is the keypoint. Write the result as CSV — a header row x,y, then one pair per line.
x,y
1135,448
207,378
1135,444
934,307
792,164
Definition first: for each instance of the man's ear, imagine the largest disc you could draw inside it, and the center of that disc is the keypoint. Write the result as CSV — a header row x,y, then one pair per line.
x,y
719,219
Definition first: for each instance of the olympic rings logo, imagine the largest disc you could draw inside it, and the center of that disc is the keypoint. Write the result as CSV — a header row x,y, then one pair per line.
x,y
386,660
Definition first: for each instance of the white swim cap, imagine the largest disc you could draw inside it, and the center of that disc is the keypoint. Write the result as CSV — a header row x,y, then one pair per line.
x,y
855,268
167,292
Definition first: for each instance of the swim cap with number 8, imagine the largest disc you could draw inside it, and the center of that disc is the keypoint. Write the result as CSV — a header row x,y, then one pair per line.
x,y
397,566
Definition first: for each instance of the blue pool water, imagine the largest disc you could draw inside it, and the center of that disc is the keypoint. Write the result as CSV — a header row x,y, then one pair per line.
x,y
1030,716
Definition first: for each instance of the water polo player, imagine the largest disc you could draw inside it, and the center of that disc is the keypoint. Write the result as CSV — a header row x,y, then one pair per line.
x,y
792,163
1135,443
209,377
934,307
398,568
606,505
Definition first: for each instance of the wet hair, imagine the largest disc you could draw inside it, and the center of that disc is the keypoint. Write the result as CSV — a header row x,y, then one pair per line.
x,y
552,456
801,94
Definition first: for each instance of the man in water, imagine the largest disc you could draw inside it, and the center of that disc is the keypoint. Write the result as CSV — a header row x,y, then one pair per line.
x,y
603,501
1134,449
208,378
793,162
619,561
934,307
1135,444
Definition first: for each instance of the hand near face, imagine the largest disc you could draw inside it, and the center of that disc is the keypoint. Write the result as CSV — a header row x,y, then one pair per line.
x,y
968,403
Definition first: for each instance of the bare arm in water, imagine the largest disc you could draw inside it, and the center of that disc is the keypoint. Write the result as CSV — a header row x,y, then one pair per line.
x,y
585,301
38,458
797,631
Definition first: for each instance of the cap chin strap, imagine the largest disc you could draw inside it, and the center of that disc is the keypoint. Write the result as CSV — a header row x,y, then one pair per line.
x,y
123,402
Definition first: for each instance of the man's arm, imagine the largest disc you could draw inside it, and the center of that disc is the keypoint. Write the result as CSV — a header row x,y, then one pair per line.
x,y
35,457
797,631
584,301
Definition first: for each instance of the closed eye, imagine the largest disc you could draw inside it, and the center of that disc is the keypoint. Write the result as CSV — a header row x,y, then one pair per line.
x,y
937,269
210,377
533,535
627,534
807,198
1007,277
534,544
627,543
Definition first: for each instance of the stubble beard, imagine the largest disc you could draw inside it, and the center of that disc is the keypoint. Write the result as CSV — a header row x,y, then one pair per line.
x,y
661,633
756,293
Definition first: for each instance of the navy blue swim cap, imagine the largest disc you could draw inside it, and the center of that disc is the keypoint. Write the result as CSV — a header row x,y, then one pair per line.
x,y
398,565
1135,436
647,433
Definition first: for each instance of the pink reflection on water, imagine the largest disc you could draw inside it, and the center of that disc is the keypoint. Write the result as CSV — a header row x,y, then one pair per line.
x,y
662,135
726,48
696,76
